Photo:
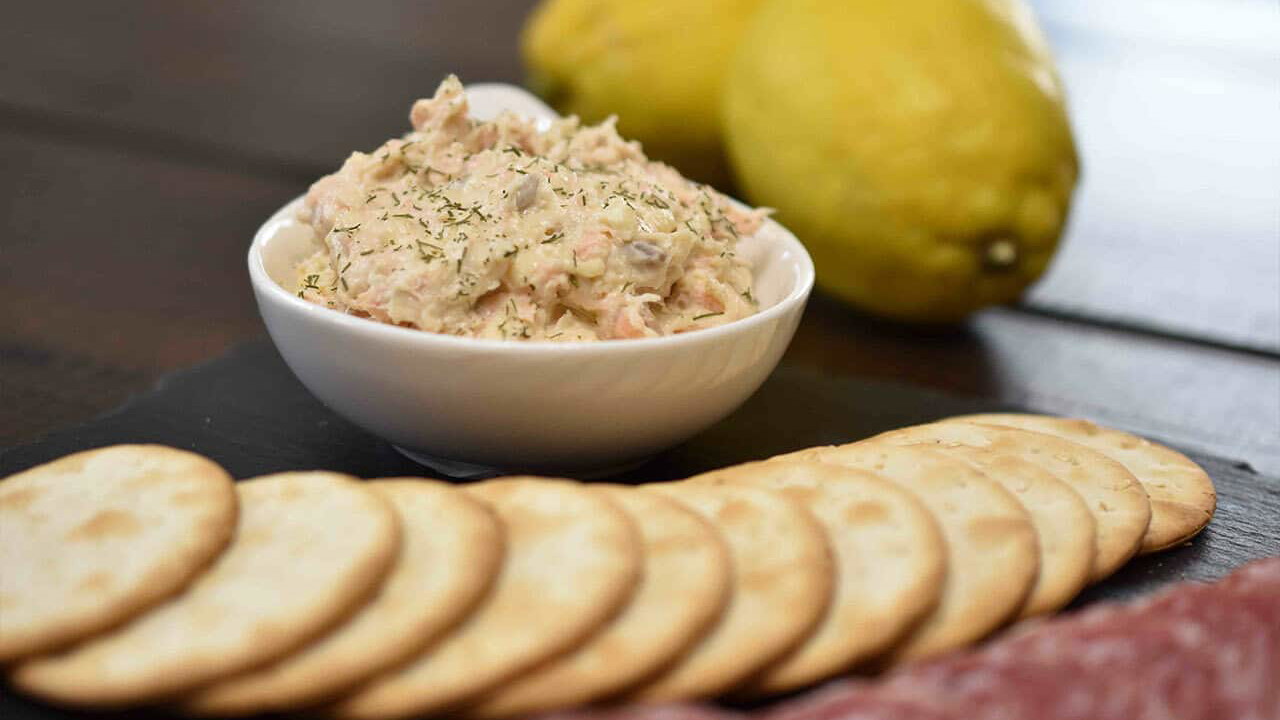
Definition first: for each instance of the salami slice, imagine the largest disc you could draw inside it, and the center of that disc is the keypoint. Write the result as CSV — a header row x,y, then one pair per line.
x,y
1194,652
855,700
648,712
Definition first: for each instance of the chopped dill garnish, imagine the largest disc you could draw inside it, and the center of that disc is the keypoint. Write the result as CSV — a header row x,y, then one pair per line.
x,y
704,316
728,224
429,252
552,239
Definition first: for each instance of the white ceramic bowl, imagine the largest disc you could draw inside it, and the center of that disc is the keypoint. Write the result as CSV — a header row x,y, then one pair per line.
x,y
469,407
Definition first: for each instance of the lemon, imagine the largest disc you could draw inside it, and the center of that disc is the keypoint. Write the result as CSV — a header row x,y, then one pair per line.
x,y
920,148
659,65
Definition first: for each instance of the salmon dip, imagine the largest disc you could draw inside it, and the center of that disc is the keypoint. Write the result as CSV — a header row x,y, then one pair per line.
x,y
507,229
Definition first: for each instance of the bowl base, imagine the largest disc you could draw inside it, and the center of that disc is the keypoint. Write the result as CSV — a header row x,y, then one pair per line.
x,y
459,470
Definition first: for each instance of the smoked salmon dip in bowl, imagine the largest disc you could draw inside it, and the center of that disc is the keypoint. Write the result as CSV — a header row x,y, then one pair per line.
x,y
502,289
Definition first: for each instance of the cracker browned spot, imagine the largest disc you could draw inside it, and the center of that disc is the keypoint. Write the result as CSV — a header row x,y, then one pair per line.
x,y
1182,495
889,556
451,549
82,550
783,578
573,559
991,546
308,549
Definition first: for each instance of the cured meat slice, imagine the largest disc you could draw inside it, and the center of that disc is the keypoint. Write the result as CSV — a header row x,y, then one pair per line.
x,y
853,700
648,712
1193,652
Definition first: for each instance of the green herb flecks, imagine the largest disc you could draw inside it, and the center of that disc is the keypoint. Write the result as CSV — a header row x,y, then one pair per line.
x,y
429,252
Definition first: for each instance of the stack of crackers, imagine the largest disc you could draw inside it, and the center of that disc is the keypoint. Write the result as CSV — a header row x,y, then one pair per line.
x,y
142,575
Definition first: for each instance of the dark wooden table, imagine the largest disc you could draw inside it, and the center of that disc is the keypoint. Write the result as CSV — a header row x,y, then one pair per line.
x,y
143,142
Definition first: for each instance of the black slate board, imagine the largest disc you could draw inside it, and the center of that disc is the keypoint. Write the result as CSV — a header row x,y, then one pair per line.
x,y
247,411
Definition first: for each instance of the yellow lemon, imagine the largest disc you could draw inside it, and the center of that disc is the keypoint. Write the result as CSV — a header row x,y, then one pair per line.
x,y
659,65
920,148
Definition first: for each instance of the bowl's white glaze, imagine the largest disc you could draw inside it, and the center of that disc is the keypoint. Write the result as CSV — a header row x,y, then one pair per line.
x,y
458,402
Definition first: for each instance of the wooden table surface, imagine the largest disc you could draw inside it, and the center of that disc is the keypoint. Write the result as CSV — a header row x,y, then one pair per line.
x,y
143,142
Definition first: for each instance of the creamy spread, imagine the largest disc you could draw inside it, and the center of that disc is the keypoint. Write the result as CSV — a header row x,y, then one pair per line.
x,y
501,229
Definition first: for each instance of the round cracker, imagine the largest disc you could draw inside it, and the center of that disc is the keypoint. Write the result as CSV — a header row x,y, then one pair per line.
x,y
92,539
1065,529
573,558
308,548
1181,492
890,563
783,579
451,549
1120,508
992,559
685,588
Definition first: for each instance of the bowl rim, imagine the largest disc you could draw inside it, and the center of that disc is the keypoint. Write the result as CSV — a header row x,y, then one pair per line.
x,y
262,282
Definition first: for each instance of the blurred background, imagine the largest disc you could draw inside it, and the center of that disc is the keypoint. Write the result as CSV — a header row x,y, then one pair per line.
x,y
143,142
